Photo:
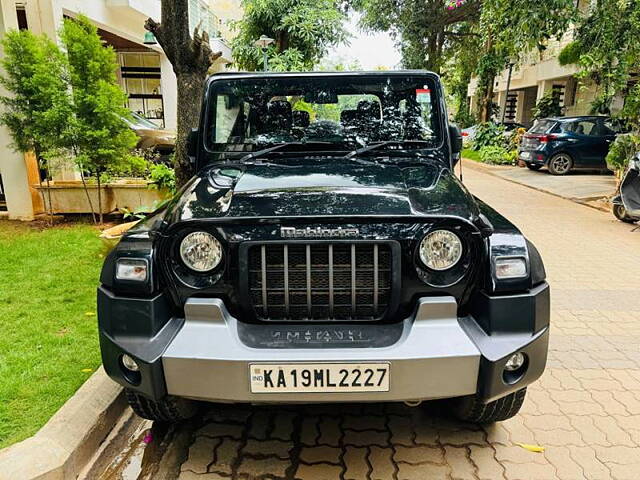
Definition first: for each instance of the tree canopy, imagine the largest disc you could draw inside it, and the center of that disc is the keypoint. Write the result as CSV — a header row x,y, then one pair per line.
x,y
607,50
99,134
461,38
425,30
38,111
303,30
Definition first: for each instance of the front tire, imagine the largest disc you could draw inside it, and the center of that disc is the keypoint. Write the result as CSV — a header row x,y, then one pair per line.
x,y
560,164
169,409
621,214
472,409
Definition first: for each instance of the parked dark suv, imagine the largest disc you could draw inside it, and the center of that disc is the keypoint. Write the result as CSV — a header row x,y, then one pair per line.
x,y
564,144
324,252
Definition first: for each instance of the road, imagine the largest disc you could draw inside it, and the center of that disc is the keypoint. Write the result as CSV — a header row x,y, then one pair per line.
x,y
585,411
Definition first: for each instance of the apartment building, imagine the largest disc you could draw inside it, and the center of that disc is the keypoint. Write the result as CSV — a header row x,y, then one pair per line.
x,y
534,75
145,72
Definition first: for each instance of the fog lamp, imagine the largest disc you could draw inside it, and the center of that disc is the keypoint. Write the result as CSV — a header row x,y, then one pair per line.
x,y
515,362
129,363
507,268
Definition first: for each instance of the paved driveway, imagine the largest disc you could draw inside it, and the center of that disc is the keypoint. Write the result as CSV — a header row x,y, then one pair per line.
x,y
580,185
585,411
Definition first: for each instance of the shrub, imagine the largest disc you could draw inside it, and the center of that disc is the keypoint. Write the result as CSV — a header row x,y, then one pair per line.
x,y
464,119
163,177
488,135
547,106
498,155
622,151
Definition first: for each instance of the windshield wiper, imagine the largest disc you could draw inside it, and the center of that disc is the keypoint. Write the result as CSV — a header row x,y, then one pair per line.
x,y
281,146
378,145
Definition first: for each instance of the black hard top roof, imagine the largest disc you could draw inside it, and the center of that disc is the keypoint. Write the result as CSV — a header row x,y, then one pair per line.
x,y
381,73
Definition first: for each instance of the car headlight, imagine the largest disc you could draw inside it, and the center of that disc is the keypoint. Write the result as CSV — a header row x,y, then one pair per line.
x,y
440,250
201,251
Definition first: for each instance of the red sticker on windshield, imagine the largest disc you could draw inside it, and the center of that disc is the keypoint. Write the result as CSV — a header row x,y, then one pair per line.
x,y
423,95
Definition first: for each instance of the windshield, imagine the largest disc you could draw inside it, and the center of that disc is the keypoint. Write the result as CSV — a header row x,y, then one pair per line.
x,y
542,126
138,121
329,113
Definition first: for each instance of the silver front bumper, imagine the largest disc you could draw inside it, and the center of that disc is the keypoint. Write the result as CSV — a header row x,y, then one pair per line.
x,y
434,358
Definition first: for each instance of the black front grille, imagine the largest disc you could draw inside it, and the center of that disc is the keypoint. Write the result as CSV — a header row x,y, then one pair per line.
x,y
320,281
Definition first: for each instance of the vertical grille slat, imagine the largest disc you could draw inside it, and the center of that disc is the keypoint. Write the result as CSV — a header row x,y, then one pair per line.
x,y
263,263
286,279
375,279
308,261
306,281
330,281
354,293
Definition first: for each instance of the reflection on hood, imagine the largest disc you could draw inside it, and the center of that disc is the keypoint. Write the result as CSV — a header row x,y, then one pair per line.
x,y
324,189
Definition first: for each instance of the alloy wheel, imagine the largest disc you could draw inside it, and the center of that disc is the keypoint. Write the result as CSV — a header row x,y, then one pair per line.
x,y
560,164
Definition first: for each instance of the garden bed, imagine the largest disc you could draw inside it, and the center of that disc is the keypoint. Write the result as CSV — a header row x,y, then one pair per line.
x,y
48,332
70,197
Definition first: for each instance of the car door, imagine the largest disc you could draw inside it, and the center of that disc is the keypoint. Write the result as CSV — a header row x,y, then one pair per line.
x,y
608,132
586,146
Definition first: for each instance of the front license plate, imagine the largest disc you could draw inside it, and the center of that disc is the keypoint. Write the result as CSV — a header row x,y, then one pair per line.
x,y
525,155
319,377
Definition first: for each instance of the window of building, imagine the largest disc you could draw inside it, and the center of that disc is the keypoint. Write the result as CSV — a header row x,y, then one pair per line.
x,y
201,16
3,198
21,12
141,79
511,106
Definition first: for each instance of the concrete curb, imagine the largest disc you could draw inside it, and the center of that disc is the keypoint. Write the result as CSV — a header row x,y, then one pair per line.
x,y
64,446
488,169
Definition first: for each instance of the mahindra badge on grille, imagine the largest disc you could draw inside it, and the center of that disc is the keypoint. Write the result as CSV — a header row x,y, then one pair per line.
x,y
319,232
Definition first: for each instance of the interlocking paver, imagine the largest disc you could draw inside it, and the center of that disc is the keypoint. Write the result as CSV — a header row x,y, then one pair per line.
x,y
276,448
319,472
407,471
382,464
355,459
417,455
458,458
253,467
201,455
566,467
585,410
321,454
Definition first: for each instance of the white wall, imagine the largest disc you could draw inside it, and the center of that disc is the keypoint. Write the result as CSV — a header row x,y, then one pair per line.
x,y
169,93
12,165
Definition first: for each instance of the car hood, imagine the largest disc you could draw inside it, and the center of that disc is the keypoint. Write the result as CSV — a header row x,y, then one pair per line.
x,y
323,188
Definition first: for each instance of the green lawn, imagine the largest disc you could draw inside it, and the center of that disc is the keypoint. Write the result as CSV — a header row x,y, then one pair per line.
x,y
48,332
471,154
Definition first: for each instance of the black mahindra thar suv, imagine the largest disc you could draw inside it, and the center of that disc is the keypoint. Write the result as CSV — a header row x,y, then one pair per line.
x,y
325,251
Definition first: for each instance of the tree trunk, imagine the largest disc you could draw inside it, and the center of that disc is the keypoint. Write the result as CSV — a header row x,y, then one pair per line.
x,y
191,57
486,102
100,200
190,90
86,192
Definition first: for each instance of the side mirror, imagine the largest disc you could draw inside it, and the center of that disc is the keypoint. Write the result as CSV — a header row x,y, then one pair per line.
x,y
192,145
455,135
456,138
